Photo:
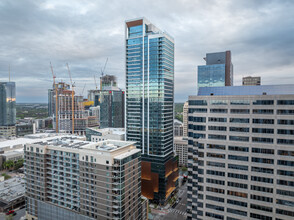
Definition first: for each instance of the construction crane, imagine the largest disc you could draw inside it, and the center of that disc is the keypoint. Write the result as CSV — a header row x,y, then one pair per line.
x,y
72,101
102,73
56,98
83,90
95,82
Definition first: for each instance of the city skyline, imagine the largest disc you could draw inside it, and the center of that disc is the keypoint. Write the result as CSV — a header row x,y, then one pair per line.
x,y
84,35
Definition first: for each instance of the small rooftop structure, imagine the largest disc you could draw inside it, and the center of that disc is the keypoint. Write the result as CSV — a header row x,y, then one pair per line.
x,y
287,89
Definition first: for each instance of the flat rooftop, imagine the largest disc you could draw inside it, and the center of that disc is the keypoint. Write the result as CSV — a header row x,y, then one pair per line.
x,y
287,89
118,131
28,139
75,143
12,189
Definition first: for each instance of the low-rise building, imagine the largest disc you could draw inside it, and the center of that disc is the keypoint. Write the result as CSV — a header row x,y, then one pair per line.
x,y
178,128
12,193
25,128
96,134
181,147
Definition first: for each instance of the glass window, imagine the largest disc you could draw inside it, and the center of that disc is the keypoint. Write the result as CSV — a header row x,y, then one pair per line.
x,y
238,148
262,179
262,170
286,153
238,167
263,111
217,119
263,150
285,183
239,138
286,163
217,128
263,130
238,194
197,102
285,102
236,211
214,198
240,102
240,111
239,129
263,102
262,121
261,198
285,192
262,160
286,122
239,203
217,137
239,120
262,208
200,110
262,189
235,157
216,146
285,112
286,131
285,212
215,164
218,110
214,207
221,156
238,185
262,140
285,141
214,172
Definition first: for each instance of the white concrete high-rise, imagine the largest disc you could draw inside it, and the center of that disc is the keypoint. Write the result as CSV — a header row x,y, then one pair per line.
x,y
240,153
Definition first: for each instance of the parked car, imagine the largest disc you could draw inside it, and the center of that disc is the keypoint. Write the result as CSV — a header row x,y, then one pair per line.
x,y
10,212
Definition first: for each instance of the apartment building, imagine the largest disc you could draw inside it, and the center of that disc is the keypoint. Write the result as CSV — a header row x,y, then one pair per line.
x,y
241,155
71,179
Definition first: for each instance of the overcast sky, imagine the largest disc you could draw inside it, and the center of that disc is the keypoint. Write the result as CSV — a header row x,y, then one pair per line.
x,y
260,35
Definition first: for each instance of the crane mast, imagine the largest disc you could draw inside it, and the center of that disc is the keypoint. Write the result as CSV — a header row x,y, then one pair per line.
x,y
56,99
72,101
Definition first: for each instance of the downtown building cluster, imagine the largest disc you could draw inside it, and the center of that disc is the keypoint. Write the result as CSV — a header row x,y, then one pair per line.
x,y
237,142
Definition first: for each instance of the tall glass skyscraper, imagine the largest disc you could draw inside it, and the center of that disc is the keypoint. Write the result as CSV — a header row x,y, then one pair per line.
x,y
7,104
218,70
149,105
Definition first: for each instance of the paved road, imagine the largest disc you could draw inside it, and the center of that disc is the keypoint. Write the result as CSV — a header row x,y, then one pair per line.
x,y
179,212
20,213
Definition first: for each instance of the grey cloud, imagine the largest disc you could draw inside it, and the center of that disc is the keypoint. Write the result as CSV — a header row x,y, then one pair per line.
x,y
84,33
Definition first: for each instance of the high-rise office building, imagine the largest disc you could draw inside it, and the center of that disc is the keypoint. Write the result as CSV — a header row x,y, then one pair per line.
x,y
112,109
71,179
241,155
149,105
251,81
7,109
185,119
218,70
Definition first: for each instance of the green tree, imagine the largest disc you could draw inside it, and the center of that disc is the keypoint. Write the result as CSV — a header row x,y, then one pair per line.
x,y
19,164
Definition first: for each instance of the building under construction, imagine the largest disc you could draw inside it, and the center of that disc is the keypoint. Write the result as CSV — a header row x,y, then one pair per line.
x,y
70,118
